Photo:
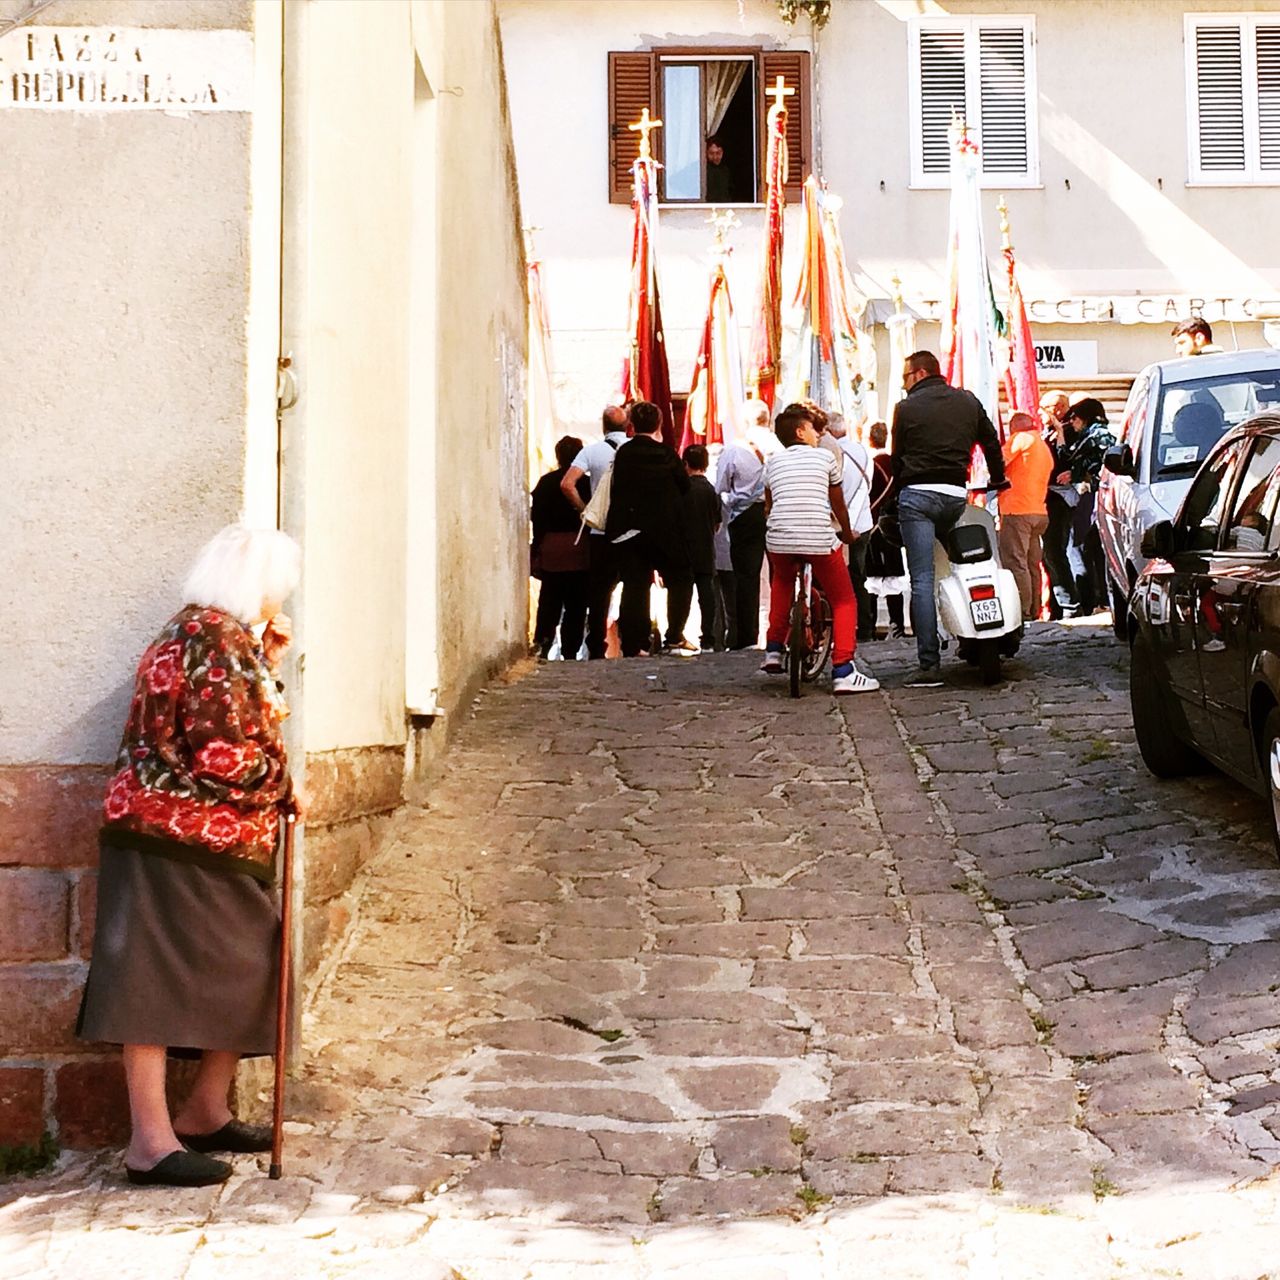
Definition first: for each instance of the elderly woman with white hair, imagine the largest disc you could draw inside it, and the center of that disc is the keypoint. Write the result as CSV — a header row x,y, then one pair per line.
x,y
186,950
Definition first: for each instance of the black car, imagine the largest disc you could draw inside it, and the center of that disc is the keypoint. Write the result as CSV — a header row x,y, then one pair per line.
x,y
1204,679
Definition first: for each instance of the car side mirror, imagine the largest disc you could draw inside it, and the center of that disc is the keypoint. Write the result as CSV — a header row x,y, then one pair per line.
x,y
1158,541
1119,461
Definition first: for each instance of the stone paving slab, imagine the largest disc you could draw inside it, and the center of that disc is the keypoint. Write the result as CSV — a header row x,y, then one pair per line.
x,y
677,977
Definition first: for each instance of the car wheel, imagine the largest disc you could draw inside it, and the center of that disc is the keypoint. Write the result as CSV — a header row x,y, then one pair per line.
x,y
1271,762
1119,609
1163,752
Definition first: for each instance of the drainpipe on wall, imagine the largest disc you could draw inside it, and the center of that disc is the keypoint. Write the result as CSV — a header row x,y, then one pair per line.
x,y
815,37
292,405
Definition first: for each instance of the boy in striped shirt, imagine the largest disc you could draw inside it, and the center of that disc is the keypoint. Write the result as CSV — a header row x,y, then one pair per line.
x,y
802,495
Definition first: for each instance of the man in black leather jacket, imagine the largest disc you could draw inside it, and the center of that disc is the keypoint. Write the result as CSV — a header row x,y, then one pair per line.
x,y
645,524
935,430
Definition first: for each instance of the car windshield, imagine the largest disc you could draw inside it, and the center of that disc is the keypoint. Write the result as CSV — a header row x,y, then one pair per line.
x,y
1193,415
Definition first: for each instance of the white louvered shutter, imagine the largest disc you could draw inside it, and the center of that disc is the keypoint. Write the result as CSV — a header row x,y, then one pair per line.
x,y
1002,99
1220,99
942,93
1267,55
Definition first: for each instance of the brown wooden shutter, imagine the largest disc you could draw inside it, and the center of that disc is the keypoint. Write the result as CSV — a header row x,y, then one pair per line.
x,y
632,87
793,67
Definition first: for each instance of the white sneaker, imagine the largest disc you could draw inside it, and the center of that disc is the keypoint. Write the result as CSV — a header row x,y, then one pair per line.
x,y
773,665
855,682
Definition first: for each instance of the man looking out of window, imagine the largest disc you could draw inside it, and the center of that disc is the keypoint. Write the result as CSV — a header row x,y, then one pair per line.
x,y
719,175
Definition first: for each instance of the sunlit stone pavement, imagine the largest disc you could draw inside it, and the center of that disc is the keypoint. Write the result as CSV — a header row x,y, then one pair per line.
x,y
678,977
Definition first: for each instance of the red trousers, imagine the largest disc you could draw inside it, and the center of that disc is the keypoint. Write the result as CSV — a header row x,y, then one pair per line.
x,y
831,574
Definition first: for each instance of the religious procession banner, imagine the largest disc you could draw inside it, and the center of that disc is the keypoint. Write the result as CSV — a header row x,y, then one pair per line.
x,y
832,356
645,375
766,336
902,341
971,322
713,413
540,404
1021,383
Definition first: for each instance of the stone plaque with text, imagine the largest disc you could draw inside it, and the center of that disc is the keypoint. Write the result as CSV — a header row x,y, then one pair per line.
x,y
125,69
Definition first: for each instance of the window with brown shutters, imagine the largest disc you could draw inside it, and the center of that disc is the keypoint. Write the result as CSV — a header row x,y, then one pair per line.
x,y
631,89
983,69
1233,98
704,93
794,70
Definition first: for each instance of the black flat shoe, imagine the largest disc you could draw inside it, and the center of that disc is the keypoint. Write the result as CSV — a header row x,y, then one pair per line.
x,y
181,1169
238,1138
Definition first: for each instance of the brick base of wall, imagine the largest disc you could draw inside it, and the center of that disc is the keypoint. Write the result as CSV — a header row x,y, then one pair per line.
x,y
49,818
351,794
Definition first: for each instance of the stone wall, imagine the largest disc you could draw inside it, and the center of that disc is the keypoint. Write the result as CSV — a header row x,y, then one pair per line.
x,y
48,845
127,417
151,318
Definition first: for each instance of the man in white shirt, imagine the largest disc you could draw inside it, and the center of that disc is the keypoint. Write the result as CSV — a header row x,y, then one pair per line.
x,y
593,461
740,484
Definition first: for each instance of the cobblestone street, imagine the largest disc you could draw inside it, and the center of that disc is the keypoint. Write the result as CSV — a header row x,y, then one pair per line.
x,y
680,978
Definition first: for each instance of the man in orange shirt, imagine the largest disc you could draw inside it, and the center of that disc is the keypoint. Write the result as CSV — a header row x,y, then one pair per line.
x,y
1028,464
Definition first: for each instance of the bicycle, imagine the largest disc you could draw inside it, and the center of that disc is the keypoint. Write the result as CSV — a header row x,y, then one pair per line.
x,y
809,638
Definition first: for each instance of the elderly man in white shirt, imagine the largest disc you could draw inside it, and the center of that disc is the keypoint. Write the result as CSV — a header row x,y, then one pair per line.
x,y
593,461
740,484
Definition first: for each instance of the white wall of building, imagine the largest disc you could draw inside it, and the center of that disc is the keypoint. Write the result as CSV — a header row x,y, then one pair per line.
x,y
127,413
481,527
346,319
404,307
1114,213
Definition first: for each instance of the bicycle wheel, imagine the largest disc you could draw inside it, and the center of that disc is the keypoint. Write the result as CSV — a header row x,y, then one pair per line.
x,y
819,647
796,646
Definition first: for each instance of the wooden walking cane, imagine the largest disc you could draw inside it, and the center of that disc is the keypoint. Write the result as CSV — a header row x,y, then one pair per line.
x,y
282,1002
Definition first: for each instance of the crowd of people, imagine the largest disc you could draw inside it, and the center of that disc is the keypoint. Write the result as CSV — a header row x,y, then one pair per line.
x,y
804,488
707,533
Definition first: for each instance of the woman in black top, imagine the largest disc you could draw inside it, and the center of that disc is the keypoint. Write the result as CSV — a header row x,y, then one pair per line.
x,y
884,542
558,557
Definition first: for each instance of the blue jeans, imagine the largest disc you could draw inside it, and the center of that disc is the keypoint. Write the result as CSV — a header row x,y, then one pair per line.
x,y
925,517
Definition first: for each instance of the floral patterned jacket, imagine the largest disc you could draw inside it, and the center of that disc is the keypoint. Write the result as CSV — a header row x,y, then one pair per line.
x,y
1083,453
202,773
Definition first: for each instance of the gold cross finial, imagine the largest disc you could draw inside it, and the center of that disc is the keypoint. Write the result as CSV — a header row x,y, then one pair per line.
x,y
1003,210
780,92
644,126
896,281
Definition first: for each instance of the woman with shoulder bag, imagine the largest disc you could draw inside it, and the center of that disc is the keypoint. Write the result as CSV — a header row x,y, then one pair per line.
x,y
559,558
886,567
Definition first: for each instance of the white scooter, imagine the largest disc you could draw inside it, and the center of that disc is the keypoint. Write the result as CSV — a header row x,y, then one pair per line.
x,y
977,598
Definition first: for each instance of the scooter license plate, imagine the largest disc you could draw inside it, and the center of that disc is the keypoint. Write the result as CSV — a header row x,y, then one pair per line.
x,y
986,613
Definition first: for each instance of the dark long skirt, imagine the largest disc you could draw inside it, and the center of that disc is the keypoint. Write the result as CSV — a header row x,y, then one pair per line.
x,y
182,957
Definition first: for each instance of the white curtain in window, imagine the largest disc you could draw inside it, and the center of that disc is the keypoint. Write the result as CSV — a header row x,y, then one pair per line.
x,y
721,81
681,142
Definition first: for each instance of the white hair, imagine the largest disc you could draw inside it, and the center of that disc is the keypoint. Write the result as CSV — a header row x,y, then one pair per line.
x,y
757,413
239,570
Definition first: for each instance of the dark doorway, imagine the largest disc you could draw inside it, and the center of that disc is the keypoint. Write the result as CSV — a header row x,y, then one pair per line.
x,y
737,135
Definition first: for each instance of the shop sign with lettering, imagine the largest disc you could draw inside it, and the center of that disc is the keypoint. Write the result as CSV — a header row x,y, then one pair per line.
x,y
125,69
1133,309
1067,359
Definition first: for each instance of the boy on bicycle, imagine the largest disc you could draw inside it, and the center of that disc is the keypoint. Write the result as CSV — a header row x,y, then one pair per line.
x,y
804,504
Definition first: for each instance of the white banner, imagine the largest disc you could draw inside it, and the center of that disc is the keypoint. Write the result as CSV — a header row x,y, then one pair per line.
x,y
125,69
